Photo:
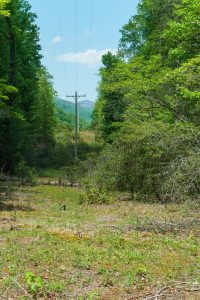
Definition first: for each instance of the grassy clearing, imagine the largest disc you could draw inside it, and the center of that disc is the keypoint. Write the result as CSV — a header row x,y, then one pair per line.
x,y
120,251
51,173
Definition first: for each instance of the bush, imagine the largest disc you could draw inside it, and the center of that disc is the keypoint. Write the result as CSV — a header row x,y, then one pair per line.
x,y
146,159
94,195
25,173
183,177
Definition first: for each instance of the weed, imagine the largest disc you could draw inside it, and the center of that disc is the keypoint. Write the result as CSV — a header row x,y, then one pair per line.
x,y
34,283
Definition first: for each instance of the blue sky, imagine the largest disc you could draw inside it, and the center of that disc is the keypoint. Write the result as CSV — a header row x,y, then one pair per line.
x,y
98,31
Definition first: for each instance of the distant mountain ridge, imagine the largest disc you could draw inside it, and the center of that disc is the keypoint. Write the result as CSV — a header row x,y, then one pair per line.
x,y
86,108
87,104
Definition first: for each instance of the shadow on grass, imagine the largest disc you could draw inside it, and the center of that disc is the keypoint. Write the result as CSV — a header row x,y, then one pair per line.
x,y
12,207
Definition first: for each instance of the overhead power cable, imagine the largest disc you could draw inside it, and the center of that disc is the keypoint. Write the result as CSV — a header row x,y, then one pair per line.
x,y
76,46
90,33
91,23
61,44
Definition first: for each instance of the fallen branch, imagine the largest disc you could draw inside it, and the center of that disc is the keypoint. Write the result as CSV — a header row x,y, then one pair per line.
x,y
18,284
2,168
175,285
157,225
159,293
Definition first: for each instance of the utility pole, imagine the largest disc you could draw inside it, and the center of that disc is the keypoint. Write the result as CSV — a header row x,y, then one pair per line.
x,y
76,97
78,113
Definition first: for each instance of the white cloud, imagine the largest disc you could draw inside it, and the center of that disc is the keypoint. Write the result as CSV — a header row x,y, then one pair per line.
x,y
89,57
57,39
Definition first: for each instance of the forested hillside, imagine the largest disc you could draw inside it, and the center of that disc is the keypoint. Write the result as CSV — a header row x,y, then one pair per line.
x,y
148,108
66,112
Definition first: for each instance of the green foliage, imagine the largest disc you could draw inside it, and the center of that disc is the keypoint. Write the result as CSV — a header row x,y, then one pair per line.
x,y
65,118
139,159
32,127
5,91
33,282
44,109
148,104
166,27
181,35
75,172
66,112
25,173
95,195
3,10
68,119
37,286
19,63
179,90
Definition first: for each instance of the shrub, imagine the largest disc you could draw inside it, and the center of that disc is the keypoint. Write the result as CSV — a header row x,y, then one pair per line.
x,y
95,195
183,177
147,158
25,173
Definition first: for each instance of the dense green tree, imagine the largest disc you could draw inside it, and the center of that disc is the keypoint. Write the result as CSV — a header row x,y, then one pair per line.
x,y
4,89
143,31
44,108
180,37
19,63
43,121
110,103
148,104
167,27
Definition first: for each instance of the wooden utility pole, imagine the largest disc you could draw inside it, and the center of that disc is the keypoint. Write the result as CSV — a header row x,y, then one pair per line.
x,y
78,113
76,97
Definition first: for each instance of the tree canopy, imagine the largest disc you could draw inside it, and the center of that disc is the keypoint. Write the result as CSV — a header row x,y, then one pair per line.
x,y
20,84
149,100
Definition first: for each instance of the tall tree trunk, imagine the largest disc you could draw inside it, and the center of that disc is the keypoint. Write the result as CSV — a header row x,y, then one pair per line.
x,y
12,43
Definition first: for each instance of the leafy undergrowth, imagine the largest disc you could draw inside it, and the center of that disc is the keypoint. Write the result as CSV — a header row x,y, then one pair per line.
x,y
125,250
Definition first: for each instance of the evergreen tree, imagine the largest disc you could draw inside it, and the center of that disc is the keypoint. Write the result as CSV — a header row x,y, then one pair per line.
x,y
19,63
44,108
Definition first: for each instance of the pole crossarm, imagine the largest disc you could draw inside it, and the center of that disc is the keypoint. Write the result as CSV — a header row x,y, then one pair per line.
x,y
74,96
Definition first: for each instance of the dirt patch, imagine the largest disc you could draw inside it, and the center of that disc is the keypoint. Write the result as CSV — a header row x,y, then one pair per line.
x,y
9,224
6,225
26,241
2,241
107,219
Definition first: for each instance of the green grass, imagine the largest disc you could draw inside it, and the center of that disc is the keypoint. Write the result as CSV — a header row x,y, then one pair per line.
x,y
88,252
51,173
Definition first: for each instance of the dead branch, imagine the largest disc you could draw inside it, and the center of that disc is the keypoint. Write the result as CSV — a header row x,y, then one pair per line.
x,y
159,293
18,284
2,168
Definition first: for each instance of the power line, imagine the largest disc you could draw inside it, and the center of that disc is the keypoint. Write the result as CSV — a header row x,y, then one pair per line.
x,y
76,96
76,46
90,32
91,23
61,43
